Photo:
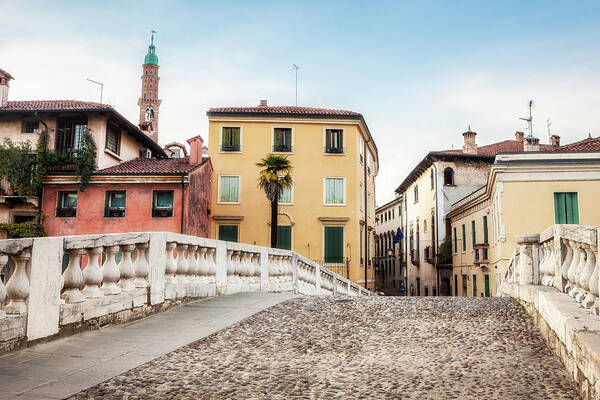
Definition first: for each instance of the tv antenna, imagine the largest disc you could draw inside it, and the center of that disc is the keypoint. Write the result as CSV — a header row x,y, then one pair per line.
x,y
101,87
296,68
548,123
530,119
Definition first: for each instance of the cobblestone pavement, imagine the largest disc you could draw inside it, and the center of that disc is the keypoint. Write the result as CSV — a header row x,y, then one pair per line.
x,y
376,347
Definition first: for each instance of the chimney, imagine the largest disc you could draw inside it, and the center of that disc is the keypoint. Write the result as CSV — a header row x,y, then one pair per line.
x,y
5,77
519,136
470,147
263,103
555,140
196,143
531,144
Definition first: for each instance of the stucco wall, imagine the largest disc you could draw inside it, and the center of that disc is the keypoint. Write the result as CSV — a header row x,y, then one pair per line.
x,y
198,201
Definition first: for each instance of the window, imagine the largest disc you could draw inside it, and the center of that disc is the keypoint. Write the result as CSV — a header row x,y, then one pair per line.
x,y
368,163
176,152
67,204
424,225
228,233
114,205
282,140
113,138
485,229
149,114
230,139
416,193
566,209
334,245
448,176
334,140
284,237
229,189
464,238
455,285
334,191
432,178
19,219
162,203
361,149
474,285
69,134
286,195
473,234
30,126
361,246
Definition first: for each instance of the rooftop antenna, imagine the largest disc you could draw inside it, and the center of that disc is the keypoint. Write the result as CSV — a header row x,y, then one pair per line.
x,y
101,87
529,120
296,68
548,123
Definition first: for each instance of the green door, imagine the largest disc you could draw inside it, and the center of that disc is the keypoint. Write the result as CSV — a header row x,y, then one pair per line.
x,y
487,285
334,245
228,233
284,237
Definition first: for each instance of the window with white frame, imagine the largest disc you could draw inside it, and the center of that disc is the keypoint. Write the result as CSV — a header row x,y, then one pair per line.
x,y
229,189
334,191
334,140
282,140
286,195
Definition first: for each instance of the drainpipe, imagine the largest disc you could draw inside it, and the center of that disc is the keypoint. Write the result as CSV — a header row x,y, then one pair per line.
x,y
182,201
366,210
436,229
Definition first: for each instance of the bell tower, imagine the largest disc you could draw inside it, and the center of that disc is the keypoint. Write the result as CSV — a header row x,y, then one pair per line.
x,y
149,102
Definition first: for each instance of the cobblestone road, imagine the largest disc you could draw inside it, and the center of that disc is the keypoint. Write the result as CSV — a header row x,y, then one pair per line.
x,y
380,348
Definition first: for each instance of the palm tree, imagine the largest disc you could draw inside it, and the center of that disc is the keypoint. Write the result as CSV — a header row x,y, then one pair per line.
x,y
273,178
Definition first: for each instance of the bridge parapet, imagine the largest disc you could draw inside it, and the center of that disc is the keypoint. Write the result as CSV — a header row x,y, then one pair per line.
x,y
555,275
67,283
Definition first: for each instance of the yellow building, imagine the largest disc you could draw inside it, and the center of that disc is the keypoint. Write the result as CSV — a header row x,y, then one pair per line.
x,y
335,163
525,193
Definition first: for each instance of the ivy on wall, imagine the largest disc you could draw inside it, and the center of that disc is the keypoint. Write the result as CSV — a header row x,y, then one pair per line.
x,y
23,229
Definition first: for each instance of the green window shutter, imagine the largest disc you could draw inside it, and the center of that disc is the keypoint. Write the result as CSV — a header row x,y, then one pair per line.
x,y
455,241
226,137
560,208
485,229
228,233
341,139
229,189
473,233
334,244
284,237
572,208
328,138
464,238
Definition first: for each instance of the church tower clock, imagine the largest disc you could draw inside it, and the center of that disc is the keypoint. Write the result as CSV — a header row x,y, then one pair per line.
x,y
149,102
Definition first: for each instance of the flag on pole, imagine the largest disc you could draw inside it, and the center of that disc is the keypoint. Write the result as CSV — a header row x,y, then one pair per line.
x,y
399,236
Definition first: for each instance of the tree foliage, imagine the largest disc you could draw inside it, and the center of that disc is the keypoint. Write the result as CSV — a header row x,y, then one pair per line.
x,y
445,251
23,229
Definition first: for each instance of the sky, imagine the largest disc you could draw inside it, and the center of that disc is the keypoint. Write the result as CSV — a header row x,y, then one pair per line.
x,y
420,72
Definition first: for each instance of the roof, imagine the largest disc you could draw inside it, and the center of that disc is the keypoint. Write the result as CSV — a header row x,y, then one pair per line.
x,y
506,146
6,74
587,144
80,106
284,110
153,166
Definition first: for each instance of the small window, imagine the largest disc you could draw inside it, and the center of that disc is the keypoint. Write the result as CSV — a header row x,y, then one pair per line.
x,y
286,196
230,139
464,238
282,140
361,145
175,152
149,114
416,193
432,178
334,191
113,139
334,141
114,204
566,208
30,126
474,285
448,176
455,240
162,205
485,229
67,204
473,234
19,219
228,233
334,245
229,189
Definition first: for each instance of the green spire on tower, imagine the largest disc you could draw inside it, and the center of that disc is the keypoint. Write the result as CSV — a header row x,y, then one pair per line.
x,y
151,57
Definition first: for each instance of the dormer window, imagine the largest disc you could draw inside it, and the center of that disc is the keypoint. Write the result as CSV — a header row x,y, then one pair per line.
x,y
149,114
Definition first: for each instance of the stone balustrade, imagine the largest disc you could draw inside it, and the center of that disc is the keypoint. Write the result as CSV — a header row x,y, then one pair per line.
x,y
118,277
555,275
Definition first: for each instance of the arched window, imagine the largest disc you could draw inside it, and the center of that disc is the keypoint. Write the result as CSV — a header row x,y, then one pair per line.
x,y
149,114
432,177
449,176
416,194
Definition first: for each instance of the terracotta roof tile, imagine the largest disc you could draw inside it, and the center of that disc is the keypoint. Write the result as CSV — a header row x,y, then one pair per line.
x,y
587,144
490,150
282,110
141,166
54,105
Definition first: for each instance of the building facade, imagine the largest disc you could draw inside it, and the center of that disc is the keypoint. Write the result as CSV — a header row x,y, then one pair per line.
x,y
525,193
329,214
390,258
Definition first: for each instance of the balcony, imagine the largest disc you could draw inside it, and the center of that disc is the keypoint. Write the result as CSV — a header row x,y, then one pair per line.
x,y
282,148
230,147
414,257
429,255
334,150
481,253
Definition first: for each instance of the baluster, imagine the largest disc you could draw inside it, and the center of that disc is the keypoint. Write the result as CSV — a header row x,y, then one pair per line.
x,y
193,262
73,278
256,261
171,267
212,262
93,274
126,268
110,272
230,265
564,267
203,266
571,270
141,266
250,267
3,262
575,267
586,273
182,265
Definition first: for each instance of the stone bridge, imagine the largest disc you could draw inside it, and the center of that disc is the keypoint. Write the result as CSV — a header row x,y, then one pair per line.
x,y
159,315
